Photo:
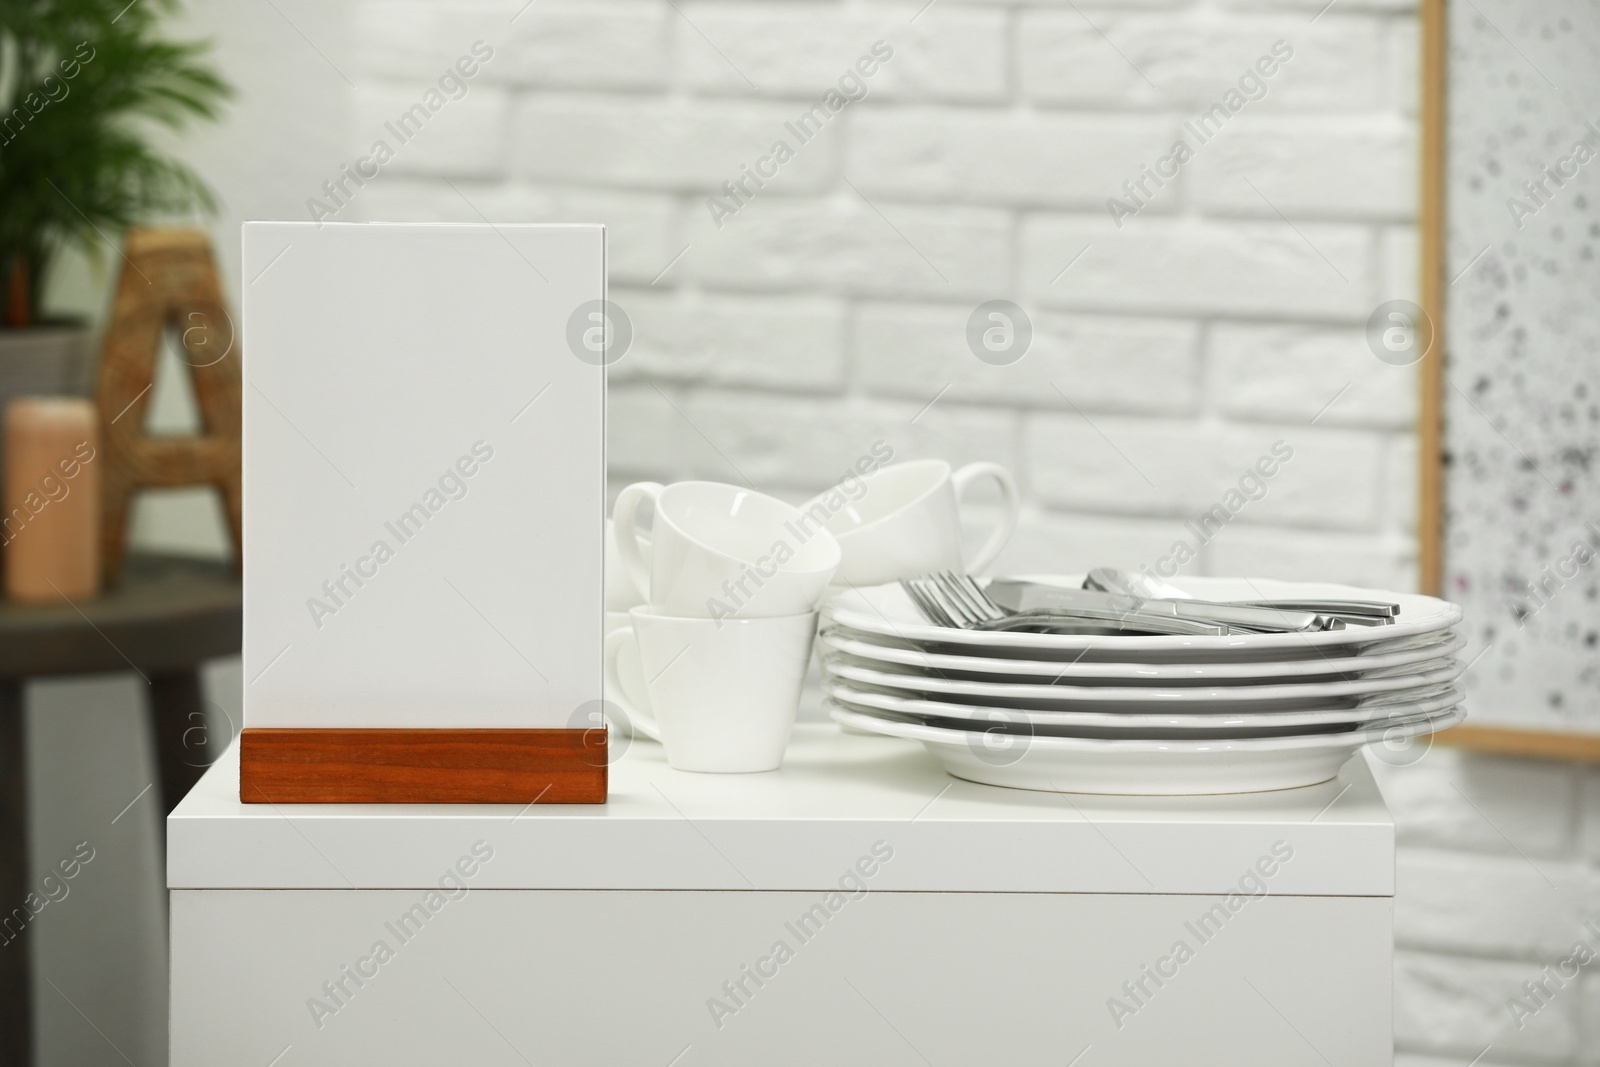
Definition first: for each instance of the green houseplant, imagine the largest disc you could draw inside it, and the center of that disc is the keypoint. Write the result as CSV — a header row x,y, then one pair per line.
x,y
83,86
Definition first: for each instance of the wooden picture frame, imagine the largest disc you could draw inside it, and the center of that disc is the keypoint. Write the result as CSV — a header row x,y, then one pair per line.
x,y
1432,518
1431,238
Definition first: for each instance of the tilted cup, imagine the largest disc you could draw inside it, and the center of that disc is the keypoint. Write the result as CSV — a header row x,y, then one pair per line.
x,y
719,551
904,520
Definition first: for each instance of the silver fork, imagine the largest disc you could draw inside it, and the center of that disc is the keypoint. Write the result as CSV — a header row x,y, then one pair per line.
x,y
964,588
931,609
948,599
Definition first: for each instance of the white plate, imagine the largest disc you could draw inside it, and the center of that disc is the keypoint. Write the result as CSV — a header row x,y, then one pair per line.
x,y
1293,697
885,611
869,652
1139,724
1152,768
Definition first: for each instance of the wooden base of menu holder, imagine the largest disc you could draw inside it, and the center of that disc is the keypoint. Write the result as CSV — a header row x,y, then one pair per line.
x,y
338,766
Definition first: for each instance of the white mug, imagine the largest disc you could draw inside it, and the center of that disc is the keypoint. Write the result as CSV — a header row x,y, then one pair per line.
x,y
907,521
618,620
718,551
620,591
720,695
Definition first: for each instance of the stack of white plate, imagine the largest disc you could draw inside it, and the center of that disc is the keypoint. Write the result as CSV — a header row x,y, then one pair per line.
x,y
1114,713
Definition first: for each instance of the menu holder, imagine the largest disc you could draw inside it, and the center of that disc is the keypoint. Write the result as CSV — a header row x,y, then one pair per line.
x,y
424,493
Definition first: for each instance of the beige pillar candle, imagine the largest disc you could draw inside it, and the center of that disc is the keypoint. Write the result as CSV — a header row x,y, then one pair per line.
x,y
50,527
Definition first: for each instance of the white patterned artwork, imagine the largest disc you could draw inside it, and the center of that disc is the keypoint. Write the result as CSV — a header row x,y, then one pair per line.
x,y
1522,389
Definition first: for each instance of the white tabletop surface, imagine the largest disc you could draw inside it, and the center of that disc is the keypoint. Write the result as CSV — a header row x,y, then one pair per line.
x,y
800,828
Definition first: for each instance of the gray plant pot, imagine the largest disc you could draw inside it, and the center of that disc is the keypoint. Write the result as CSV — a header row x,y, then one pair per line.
x,y
47,360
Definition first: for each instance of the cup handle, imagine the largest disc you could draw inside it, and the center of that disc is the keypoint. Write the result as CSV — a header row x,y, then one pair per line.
x,y
1011,500
624,519
634,707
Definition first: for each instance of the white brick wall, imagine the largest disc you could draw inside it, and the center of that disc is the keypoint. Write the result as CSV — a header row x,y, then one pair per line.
x,y
1202,267
1087,358
1187,58
655,144
924,153
788,50
1497,876
1168,353
1333,168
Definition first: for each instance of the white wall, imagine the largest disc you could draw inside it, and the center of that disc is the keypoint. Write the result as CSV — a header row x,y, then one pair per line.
x,y
831,310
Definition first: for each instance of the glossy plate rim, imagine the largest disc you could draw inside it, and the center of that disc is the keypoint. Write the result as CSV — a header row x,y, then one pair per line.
x,y
1137,720
862,647
1354,739
1092,694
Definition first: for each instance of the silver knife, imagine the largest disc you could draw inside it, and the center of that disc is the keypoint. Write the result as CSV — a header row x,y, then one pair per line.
x,y
1111,580
1376,609
1016,595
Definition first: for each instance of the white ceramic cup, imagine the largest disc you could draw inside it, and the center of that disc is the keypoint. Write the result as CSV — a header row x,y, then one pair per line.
x,y
720,695
621,593
618,620
907,521
719,551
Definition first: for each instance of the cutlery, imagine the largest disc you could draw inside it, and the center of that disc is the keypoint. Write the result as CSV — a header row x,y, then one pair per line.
x,y
1017,595
1110,580
975,606
888,611
1364,612
984,614
959,608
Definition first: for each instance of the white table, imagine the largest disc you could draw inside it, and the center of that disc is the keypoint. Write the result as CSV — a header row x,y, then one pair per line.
x,y
995,926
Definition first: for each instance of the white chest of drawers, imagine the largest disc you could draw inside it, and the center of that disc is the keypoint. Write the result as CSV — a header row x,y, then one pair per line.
x,y
856,907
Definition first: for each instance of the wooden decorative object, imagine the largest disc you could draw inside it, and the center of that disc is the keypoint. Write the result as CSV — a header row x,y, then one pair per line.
x,y
1531,744
169,281
1430,369
362,766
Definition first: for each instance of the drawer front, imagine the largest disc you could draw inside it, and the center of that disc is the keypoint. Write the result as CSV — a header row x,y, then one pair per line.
x,y
854,977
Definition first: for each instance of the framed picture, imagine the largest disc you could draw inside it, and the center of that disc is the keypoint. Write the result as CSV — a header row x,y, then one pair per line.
x,y
1509,426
